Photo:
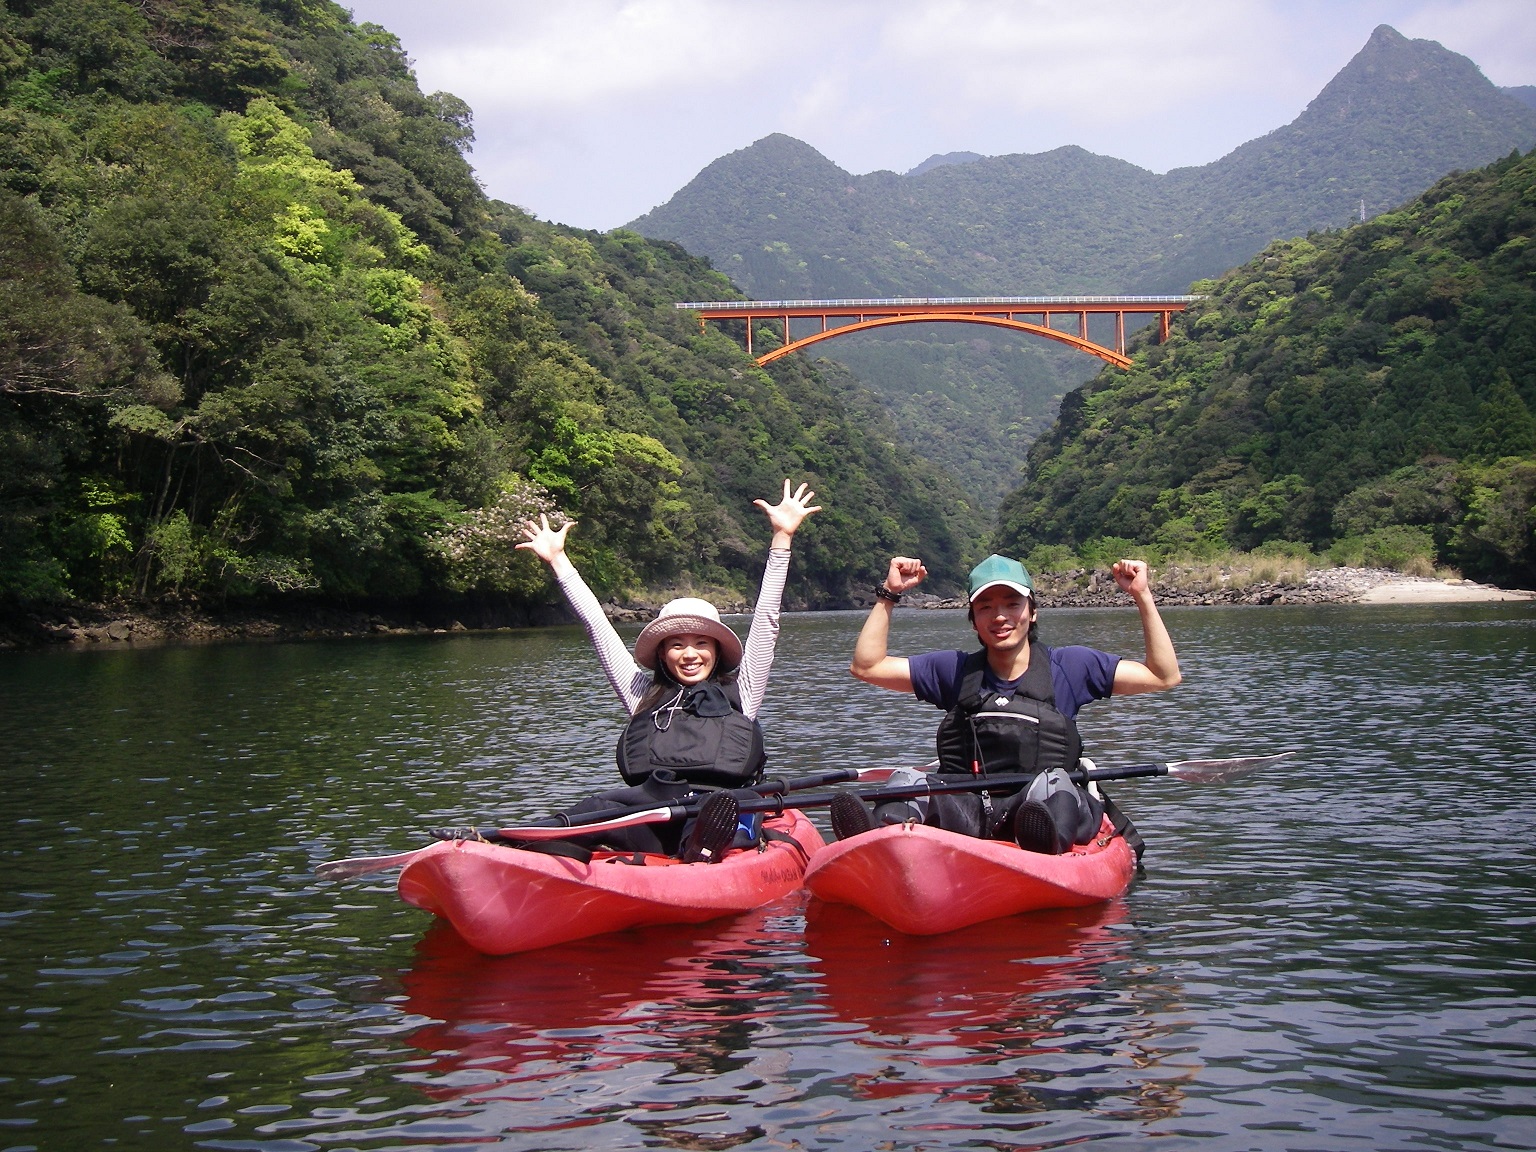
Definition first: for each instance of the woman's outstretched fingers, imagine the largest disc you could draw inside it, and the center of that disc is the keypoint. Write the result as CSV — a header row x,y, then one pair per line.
x,y
794,507
543,541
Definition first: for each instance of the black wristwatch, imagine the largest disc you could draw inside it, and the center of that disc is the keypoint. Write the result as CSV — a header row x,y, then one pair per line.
x,y
884,593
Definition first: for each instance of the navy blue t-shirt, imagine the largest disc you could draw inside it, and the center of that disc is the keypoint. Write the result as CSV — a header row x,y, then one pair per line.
x,y
1078,675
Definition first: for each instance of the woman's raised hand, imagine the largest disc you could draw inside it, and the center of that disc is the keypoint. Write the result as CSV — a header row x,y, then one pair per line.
x,y
786,515
547,543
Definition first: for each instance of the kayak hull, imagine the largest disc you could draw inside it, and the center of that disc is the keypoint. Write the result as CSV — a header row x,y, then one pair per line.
x,y
923,881
504,900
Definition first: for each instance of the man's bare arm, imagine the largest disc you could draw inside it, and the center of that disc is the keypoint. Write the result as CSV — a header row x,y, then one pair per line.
x,y
872,661
1160,671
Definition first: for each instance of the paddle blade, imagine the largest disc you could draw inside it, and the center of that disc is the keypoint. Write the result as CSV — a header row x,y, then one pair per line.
x,y
362,865
1219,771
881,774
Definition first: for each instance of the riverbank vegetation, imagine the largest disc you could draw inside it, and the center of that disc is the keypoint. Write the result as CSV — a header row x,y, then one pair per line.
x,y
1402,549
264,339
1360,392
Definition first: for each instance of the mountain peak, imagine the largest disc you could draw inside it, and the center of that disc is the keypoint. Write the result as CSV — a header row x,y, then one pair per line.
x,y
1386,35
1393,77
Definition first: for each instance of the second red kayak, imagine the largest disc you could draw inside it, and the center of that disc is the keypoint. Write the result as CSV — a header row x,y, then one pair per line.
x,y
504,900
924,881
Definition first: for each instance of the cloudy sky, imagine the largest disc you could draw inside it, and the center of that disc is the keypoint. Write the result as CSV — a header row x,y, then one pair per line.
x,y
591,112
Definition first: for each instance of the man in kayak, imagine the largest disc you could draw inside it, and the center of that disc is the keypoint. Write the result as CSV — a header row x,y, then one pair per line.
x,y
1009,707
691,690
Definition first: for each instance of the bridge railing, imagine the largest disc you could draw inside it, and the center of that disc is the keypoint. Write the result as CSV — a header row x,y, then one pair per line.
x,y
928,302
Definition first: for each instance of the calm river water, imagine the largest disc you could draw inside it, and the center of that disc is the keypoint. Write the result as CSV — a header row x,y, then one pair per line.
x,y
1336,953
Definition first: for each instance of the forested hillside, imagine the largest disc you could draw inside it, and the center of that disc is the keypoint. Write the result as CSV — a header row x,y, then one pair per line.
x,y
262,336
996,385
1370,384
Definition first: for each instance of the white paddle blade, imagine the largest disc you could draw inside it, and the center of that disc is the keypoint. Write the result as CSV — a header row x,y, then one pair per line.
x,y
1219,771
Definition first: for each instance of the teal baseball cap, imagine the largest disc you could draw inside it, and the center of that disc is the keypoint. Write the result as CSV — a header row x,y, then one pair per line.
x,y
1000,570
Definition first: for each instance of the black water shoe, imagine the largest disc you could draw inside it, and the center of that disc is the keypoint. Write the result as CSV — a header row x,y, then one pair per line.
x,y
713,830
849,816
1033,828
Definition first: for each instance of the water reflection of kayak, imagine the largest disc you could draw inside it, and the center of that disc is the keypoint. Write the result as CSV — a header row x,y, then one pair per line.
x,y
924,881
689,994
1003,981
506,900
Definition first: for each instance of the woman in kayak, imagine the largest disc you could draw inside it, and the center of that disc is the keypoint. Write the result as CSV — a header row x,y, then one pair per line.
x,y
691,689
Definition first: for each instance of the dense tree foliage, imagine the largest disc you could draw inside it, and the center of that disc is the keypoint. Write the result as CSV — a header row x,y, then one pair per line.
x,y
1377,380
261,334
971,398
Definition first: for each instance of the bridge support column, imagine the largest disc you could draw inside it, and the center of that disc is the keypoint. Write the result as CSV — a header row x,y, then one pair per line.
x,y
1120,333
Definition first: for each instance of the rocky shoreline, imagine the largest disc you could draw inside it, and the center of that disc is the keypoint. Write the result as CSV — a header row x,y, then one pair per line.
x,y
1319,586
103,626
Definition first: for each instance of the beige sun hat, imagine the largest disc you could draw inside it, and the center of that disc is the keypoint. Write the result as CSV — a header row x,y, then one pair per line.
x,y
688,615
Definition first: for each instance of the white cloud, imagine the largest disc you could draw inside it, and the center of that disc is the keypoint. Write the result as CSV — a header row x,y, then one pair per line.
x,y
588,55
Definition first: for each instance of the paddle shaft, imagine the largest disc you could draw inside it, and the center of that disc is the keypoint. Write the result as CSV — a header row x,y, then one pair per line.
x,y
661,813
554,828
613,819
557,827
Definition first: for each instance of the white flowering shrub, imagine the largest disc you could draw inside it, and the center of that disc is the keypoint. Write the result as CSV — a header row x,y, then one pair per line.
x,y
480,551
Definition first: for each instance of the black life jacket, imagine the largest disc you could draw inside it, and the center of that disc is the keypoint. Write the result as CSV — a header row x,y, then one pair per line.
x,y
1022,733
698,735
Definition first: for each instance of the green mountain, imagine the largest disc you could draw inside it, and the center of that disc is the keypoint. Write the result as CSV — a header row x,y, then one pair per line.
x,y
784,223
262,336
1399,116
1369,384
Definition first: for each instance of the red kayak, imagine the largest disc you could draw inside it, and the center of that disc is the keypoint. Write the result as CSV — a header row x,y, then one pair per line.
x,y
505,900
924,881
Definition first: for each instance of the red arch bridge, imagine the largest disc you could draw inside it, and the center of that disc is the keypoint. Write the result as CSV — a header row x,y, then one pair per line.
x,y
1040,313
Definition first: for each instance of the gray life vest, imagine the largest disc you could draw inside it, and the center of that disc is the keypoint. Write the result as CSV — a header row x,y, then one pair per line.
x,y
986,732
699,735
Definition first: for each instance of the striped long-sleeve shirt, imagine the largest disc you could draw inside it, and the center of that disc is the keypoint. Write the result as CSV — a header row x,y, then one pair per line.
x,y
630,681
